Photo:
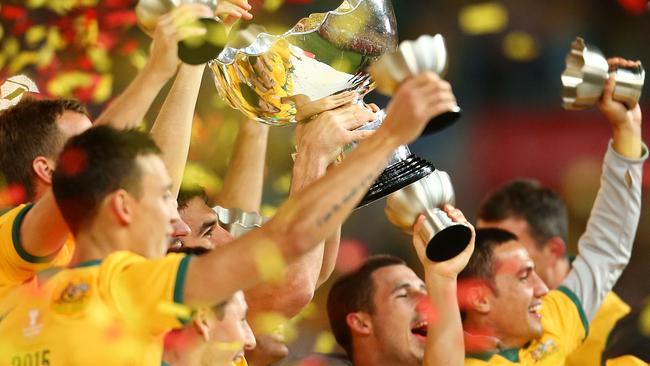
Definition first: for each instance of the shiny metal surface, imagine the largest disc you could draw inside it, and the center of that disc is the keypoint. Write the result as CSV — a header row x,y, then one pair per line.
x,y
268,77
445,238
148,11
238,222
585,74
427,53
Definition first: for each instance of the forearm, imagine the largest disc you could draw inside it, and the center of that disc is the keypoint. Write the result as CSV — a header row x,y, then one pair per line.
x,y
299,225
297,288
605,247
330,253
128,109
172,129
626,140
445,345
244,182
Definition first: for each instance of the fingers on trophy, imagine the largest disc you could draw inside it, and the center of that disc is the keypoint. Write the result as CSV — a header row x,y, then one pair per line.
x,y
586,73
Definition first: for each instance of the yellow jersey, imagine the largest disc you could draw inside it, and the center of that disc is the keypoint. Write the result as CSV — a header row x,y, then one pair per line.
x,y
16,265
590,353
565,327
109,312
625,361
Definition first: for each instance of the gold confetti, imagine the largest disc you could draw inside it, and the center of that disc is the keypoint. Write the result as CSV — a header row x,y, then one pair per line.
x,y
196,175
485,18
100,59
269,262
644,320
325,343
103,89
11,47
138,59
520,46
65,83
35,34
22,60
174,309
272,5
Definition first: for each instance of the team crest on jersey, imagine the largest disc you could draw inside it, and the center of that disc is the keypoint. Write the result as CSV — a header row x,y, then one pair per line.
x,y
73,297
543,350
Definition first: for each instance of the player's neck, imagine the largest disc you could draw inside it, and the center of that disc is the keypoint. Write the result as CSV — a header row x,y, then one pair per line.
x,y
99,241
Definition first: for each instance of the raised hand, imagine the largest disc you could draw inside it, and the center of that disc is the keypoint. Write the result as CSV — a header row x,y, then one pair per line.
x,y
449,268
175,26
325,135
230,11
625,123
416,102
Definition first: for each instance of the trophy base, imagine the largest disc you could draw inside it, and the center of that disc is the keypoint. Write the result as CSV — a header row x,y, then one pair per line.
x,y
441,122
449,242
396,177
199,50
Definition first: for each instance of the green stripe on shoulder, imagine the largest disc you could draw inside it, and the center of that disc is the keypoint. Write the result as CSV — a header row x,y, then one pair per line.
x,y
181,274
574,298
15,236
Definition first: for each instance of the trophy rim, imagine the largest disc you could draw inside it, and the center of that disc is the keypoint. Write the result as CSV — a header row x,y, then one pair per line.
x,y
229,55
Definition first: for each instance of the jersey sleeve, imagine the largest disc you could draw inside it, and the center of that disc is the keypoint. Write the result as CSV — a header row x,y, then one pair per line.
x,y
605,247
564,318
16,265
148,293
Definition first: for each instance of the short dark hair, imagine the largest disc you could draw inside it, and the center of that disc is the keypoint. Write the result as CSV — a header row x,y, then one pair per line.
x,y
186,194
94,164
542,208
29,130
354,292
480,265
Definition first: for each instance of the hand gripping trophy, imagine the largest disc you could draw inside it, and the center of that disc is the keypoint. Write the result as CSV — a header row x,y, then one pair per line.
x,y
277,79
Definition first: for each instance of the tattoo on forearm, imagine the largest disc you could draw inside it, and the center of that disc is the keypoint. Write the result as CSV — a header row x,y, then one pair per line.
x,y
350,195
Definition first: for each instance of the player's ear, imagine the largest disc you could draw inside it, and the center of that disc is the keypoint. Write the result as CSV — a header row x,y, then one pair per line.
x,y
201,325
43,168
555,248
121,203
474,295
359,323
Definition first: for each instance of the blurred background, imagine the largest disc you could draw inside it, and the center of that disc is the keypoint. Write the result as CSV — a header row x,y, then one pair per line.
x,y
506,58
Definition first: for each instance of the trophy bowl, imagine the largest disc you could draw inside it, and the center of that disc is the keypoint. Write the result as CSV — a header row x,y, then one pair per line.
x,y
445,239
586,72
277,79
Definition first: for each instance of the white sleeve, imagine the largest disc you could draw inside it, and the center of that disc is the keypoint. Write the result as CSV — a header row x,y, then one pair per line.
x,y
605,247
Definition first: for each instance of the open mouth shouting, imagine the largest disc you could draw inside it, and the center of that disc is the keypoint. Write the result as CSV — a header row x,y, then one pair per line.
x,y
419,330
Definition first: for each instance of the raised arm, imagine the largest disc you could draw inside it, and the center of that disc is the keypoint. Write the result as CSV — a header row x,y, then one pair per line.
x,y
445,344
172,129
605,247
319,141
315,212
244,182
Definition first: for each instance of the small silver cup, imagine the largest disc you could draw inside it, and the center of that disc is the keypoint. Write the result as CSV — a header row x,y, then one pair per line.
x,y
427,53
585,75
238,222
195,50
445,239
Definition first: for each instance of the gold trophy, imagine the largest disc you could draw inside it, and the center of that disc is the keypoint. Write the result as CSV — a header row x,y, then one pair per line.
x,y
271,78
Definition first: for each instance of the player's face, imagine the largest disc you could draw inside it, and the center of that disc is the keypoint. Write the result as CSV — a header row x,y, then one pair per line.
x,y
233,332
515,308
543,259
154,214
205,230
399,321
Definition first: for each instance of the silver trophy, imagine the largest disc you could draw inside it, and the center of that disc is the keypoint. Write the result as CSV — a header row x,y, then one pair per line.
x,y
237,221
276,79
194,50
445,239
585,75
